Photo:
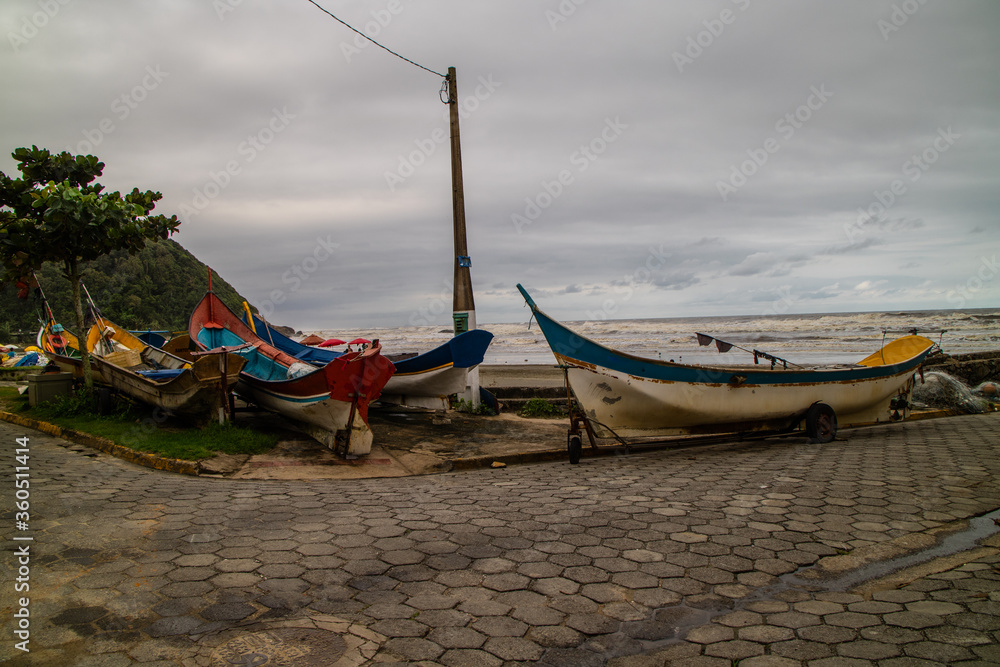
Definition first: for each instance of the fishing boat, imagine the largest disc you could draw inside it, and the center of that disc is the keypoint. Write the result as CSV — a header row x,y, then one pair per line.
x,y
423,380
195,389
329,402
627,396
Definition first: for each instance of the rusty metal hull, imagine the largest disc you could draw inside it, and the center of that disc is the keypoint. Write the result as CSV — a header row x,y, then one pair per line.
x,y
632,396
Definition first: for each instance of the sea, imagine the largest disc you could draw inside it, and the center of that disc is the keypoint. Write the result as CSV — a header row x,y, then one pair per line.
x,y
805,340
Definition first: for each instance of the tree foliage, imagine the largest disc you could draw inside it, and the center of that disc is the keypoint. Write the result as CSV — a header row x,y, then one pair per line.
x,y
56,212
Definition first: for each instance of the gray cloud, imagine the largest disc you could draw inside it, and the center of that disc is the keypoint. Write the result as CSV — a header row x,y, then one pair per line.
x,y
268,129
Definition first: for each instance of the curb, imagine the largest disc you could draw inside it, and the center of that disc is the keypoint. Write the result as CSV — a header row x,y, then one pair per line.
x,y
486,461
477,462
105,445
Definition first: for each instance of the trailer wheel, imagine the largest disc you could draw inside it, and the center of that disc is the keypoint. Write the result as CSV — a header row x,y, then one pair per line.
x,y
575,448
821,423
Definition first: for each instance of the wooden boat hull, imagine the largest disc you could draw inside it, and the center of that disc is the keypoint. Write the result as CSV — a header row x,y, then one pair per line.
x,y
330,402
423,380
196,392
632,396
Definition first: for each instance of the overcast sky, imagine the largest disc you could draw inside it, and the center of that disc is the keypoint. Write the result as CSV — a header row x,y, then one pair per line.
x,y
621,159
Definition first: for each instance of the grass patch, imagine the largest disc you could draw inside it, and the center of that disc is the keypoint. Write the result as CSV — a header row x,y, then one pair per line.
x,y
9,398
539,407
467,407
145,429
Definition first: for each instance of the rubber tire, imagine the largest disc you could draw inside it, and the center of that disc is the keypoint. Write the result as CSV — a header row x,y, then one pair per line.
x,y
575,448
821,423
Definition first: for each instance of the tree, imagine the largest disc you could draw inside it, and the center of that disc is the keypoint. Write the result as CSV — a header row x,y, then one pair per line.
x,y
56,213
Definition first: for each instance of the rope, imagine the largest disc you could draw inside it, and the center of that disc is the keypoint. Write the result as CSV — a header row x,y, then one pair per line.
x,y
347,25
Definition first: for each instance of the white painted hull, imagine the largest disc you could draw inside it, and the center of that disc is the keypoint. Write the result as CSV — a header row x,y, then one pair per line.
x,y
427,389
630,396
320,416
631,406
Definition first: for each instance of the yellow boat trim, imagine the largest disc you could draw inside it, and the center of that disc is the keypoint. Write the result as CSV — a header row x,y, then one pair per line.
x,y
897,351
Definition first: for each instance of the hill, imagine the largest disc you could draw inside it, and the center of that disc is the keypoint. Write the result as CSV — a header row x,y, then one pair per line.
x,y
154,289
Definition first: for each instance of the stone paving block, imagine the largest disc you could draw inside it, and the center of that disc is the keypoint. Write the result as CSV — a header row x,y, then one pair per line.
x,y
792,619
469,658
936,608
868,650
740,619
500,626
555,636
513,648
799,649
172,626
765,634
734,650
411,648
983,622
454,637
851,619
988,653
938,652
947,634
769,661
912,619
710,634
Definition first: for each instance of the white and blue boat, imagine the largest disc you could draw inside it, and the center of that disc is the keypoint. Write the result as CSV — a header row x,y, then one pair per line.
x,y
627,396
422,380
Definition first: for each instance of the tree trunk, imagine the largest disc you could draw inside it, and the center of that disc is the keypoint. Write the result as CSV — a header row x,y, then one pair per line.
x,y
72,272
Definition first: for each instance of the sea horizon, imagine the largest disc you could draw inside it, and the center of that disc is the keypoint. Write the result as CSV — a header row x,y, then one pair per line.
x,y
807,338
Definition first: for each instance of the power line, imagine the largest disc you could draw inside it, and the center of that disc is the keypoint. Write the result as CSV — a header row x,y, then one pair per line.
x,y
373,41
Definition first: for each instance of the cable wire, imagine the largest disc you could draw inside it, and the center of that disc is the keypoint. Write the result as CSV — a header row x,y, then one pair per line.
x,y
328,13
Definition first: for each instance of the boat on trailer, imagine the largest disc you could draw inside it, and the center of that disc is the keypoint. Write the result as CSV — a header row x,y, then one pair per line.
x,y
422,380
329,402
624,396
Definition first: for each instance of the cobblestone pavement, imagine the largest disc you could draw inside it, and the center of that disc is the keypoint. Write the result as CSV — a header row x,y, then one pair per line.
x,y
678,557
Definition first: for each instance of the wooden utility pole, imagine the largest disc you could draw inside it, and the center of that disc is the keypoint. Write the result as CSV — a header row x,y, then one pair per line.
x,y
463,304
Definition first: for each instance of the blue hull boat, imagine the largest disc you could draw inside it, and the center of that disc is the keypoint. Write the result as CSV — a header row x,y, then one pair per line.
x,y
423,380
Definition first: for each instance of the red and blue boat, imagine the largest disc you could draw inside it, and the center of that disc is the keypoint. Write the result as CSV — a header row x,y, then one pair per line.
x,y
330,402
422,380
